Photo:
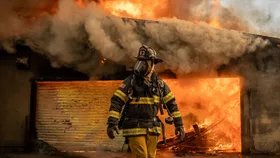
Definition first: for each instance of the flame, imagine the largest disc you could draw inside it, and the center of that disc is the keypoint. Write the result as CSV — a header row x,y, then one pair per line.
x,y
206,102
128,7
145,10
81,3
138,9
32,13
214,21
207,122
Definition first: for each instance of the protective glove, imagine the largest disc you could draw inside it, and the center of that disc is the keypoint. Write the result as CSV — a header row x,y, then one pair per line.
x,y
111,129
180,130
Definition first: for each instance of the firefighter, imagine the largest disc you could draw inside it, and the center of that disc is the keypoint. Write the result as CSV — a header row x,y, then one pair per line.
x,y
143,94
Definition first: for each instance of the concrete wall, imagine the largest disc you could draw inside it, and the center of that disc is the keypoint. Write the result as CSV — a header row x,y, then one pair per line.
x,y
266,114
261,100
265,104
15,98
14,101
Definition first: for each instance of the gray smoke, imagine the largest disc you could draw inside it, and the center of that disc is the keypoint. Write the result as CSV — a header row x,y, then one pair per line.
x,y
257,17
208,10
81,37
262,16
14,12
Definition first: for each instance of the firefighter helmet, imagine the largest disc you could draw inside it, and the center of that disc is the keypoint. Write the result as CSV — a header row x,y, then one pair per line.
x,y
148,53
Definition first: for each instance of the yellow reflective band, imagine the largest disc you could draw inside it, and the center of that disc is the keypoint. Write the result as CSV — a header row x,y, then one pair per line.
x,y
140,131
121,95
156,99
134,131
142,100
168,97
155,130
145,100
176,114
114,114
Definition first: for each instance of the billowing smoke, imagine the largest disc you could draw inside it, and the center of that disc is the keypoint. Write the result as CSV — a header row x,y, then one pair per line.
x,y
79,37
263,17
258,16
208,11
13,15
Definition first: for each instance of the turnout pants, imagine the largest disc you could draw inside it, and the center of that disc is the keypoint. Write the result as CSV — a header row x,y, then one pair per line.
x,y
143,146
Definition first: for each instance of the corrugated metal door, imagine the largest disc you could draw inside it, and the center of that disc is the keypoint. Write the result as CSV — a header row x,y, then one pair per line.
x,y
72,116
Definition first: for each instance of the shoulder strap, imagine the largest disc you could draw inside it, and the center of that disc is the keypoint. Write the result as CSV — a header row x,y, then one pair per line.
x,y
160,83
130,89
160,86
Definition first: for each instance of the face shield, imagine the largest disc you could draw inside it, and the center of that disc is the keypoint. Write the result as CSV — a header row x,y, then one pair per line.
x,y
143,67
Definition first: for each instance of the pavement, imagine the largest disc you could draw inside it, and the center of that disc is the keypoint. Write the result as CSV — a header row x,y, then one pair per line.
x,y
103,154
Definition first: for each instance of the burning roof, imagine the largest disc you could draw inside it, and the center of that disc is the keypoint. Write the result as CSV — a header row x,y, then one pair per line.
x,y
72,33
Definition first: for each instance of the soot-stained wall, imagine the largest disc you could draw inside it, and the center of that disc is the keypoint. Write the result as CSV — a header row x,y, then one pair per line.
x,y
14,101
265,114
265,103
260,99
15,98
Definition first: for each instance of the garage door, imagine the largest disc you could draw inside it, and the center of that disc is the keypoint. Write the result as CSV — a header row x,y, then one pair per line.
x,y
72,116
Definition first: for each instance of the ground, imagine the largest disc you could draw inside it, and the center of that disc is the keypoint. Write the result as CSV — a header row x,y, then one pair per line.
x,y
100,154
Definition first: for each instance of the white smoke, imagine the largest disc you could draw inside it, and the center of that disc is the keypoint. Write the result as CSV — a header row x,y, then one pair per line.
x,y
257,16
76,36
208,11
262,16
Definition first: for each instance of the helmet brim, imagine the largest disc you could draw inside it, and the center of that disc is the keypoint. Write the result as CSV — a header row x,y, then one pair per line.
x,y
156,60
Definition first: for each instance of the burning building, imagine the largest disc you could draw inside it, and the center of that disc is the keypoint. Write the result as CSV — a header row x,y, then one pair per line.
x,y
77,53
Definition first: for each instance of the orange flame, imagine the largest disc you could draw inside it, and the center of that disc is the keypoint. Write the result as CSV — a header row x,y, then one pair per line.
x,y
139,9
214,21
144,9
208,101
81,3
